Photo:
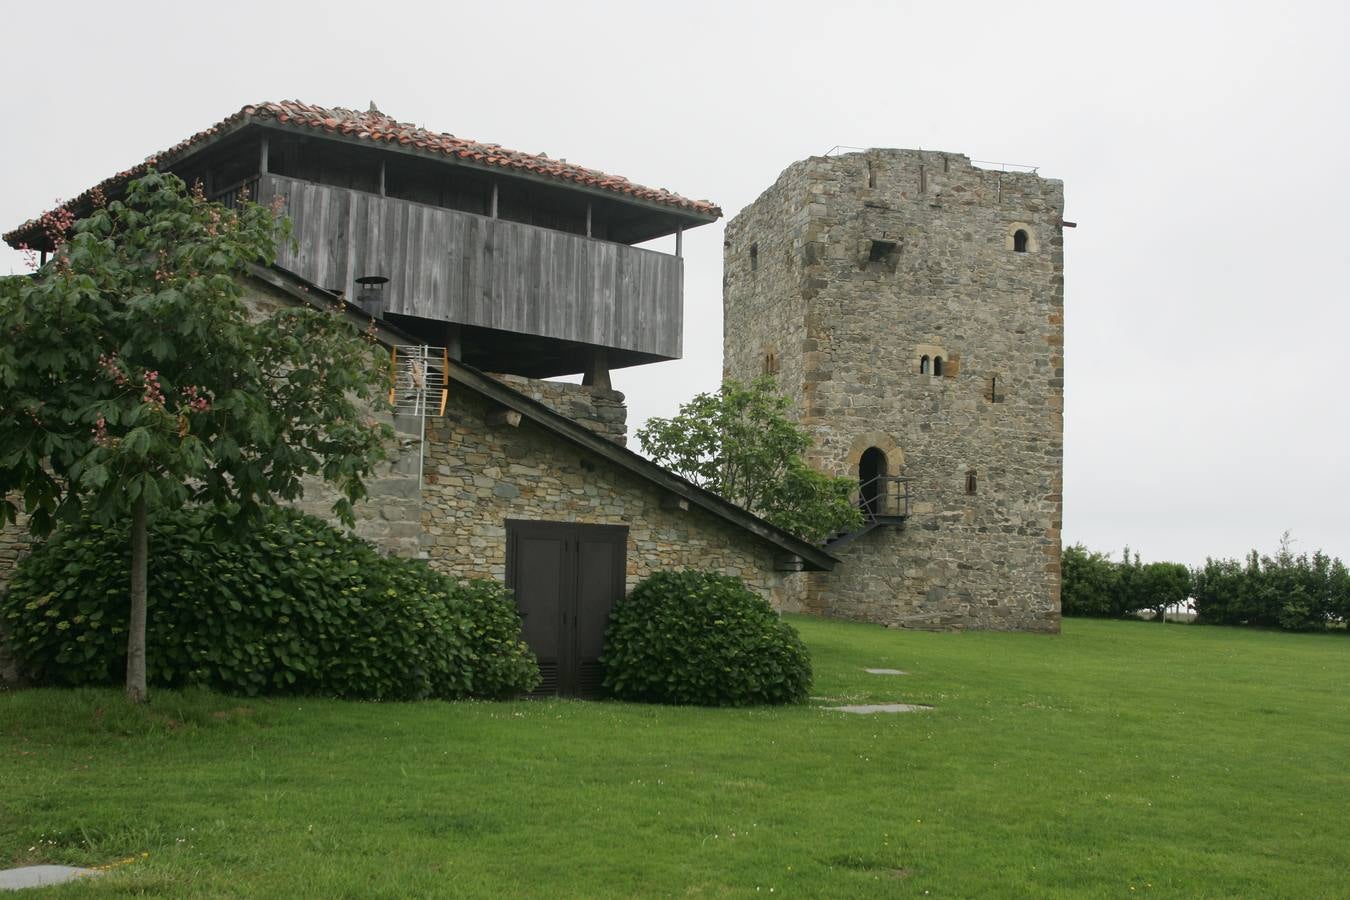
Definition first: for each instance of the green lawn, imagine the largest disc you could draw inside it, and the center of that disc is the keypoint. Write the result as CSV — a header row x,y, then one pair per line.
x,y
1116,759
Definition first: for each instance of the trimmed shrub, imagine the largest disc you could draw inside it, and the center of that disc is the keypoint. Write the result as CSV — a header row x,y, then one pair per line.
x,y
293,606
702,639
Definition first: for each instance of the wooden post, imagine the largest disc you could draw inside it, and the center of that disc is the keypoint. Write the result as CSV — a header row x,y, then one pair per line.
x,y
597,373
382,177
454,346
588,218
679,242
494,200
262,157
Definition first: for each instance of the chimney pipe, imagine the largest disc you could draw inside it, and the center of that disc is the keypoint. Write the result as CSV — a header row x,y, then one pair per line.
x,y
370,297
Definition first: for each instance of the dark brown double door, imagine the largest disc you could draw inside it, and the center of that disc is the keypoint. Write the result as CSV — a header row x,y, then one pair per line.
x,y
566,578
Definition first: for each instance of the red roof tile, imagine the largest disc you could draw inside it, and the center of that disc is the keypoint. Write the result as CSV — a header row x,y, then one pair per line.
x,y
376,127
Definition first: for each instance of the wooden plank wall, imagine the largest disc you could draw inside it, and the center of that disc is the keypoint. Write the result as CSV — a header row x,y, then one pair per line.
x,y
455,266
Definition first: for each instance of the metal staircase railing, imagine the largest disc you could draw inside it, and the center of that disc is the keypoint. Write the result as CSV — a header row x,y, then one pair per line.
x,y
883,500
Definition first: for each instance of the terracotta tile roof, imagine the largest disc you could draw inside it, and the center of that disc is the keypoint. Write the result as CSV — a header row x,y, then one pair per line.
x,y
378,128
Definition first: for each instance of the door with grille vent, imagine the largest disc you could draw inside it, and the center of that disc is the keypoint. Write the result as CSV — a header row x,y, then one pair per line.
x,y
566,578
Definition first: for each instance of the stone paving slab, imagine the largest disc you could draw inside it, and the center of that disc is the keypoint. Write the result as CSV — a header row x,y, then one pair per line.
x,y
869,708
40,876
885,672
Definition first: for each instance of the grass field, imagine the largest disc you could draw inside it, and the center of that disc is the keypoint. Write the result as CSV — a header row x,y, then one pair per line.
x,y
1116,759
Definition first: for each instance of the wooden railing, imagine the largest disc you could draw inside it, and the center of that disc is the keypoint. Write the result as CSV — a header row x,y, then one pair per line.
x,y
232,196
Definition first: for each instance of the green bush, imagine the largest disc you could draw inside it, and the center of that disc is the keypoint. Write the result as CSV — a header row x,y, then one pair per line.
x,y
1091,584
703,639
293,606
1296,593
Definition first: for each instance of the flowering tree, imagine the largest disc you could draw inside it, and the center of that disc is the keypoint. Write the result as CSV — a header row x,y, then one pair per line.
x,y
133,379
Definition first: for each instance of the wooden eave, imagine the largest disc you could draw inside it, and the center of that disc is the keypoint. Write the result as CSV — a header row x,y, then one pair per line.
x,y
693,217
678,216
813,557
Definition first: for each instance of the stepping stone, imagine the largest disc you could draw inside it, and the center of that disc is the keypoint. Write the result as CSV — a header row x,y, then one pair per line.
x,y
884,672
869,708
40,876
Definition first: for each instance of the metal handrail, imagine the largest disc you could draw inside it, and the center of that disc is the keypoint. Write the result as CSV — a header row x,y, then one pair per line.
x,y
876,499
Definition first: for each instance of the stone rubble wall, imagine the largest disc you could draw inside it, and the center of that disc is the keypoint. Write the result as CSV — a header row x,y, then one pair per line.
x,y
14,542
851,325
602,411
479,475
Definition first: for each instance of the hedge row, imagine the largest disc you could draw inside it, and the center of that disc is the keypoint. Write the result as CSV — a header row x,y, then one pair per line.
x,y
292,606
1296,593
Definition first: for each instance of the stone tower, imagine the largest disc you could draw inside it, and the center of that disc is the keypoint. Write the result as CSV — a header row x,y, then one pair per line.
x,y
912,305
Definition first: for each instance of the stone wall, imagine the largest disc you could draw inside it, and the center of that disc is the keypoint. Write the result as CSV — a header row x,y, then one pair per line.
x,y
862,265
479,475
601,410
14,542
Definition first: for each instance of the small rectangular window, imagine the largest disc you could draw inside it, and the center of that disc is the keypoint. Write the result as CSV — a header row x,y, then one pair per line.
x,y
880,251
754,257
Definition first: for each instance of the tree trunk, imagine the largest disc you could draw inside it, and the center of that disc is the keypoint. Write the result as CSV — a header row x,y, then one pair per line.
x,y
140,541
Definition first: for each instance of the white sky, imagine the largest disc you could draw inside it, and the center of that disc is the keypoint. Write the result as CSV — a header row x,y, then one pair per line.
x,y
1202,146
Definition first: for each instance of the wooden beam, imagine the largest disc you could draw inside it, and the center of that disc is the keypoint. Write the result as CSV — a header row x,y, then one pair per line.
x,y
679,242
382,190
588,218
262,155
493,211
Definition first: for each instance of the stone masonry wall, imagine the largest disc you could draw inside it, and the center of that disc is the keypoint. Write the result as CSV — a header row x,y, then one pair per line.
x,y
602,411
876,260
14,542
479,475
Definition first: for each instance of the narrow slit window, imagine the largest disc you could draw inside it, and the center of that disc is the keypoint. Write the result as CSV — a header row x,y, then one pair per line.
x,y
937,365
923,365
1020,238
971,482
754,257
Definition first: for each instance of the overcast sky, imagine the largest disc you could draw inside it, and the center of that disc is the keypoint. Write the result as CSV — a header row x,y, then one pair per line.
x,y
1203,149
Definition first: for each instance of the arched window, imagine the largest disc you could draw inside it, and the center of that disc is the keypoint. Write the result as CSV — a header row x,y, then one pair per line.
x,y
923,365
871,487
937,365
970,481
1020,239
